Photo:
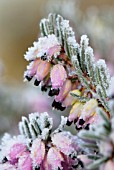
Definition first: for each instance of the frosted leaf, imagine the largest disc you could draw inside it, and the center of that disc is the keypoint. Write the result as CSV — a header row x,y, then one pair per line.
x,y
84,41
45,121
89,51
45,133
104,73
65,24
33,116
71,40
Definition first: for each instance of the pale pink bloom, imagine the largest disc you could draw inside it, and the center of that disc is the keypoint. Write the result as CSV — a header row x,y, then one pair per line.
x,y
63,142
31,69
58,76
37,68
46,166
48,45
42,70
17,150
65,89
54,158
108,165
25,162
38,151
75,111
89,109
84,158
69,99
53,51
7,166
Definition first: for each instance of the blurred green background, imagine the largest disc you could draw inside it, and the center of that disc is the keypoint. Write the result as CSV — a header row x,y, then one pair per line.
x,y
19,27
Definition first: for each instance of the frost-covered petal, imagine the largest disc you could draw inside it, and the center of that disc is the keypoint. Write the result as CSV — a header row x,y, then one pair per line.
x,y
7,166
32,69
89,109
65,89
16,150
63,142
38,151
108,166
54,158
25,162
58,76
75,111
42,70
69,100
55,50
48,45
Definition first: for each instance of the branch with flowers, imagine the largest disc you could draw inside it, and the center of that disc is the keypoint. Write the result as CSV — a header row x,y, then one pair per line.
x,y
67,71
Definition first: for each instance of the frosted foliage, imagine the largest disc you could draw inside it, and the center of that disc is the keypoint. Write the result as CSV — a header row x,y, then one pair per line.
x,y
84,41
89,51
71,40
104,73
44,120
65,24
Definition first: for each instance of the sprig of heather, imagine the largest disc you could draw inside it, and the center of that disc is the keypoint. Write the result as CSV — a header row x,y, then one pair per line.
x,y
68,71
39,147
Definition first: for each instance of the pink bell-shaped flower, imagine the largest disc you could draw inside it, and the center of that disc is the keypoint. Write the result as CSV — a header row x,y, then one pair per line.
x,y
25,162
37,152
63,142
58,76
54,158
42,70
17,150
31,69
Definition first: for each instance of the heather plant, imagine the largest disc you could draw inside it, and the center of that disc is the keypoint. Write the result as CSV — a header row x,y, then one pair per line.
x,y
67,71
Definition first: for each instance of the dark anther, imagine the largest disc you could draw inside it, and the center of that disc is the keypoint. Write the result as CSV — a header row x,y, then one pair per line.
x,y
81,164
37,168
54,104
36,82
53,92
74,157
81,122
78,128
75,120
58,105
28,78
75,166
68,123
87,127
4,160
44,57
44,88
61,108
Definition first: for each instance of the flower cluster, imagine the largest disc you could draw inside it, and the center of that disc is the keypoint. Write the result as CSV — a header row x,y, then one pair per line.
x,y
69,72
38,147
65,68
48,67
